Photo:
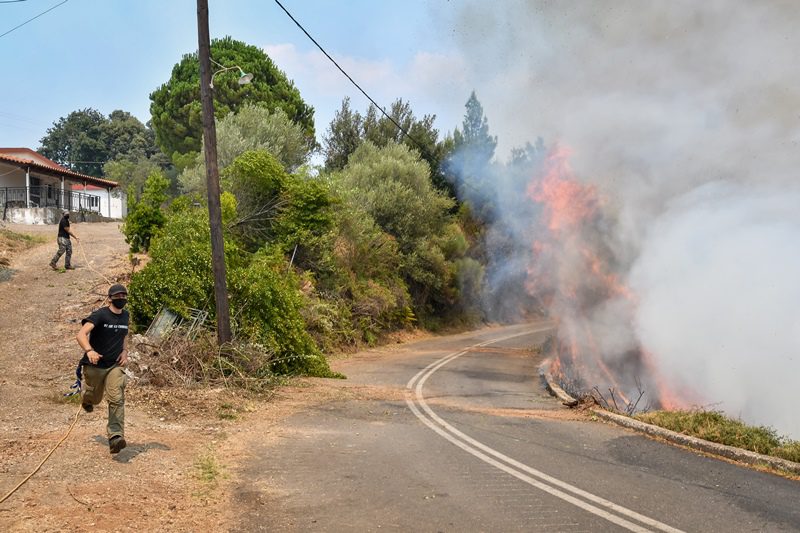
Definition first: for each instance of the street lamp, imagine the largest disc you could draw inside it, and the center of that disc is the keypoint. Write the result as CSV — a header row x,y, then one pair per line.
x,y
244,78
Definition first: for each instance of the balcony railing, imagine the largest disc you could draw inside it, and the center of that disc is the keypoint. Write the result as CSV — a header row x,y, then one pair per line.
x,y
45,196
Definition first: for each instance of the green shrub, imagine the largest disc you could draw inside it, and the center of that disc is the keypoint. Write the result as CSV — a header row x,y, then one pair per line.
x,y
304,228
329,322
144,215
267,301
259,183
393,186
293,211
366,275
264,296
789,450
179,273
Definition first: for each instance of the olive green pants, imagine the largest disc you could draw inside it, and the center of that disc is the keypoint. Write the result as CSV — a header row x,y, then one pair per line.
x,y
111,381
64,245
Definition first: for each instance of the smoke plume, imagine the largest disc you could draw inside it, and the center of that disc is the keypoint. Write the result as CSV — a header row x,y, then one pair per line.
x,y
683,117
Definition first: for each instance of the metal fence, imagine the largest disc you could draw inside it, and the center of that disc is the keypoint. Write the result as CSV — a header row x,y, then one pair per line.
x,y
48,196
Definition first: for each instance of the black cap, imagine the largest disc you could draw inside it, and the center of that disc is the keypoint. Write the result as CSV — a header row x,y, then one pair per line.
x,y
117,288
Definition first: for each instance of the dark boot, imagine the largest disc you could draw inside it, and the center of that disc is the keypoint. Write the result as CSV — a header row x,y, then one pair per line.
x,y
116,443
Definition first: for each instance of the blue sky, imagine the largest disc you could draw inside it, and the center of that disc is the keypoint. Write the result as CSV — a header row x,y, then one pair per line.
x,y
110,54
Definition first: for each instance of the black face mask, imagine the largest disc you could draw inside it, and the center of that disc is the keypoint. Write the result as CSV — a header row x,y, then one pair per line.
x,y
119,303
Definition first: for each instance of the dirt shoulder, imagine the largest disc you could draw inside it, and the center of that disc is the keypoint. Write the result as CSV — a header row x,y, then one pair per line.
x,y
164,480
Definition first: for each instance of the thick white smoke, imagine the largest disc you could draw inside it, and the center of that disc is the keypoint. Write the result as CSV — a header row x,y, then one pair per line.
x,y
686,116
719,293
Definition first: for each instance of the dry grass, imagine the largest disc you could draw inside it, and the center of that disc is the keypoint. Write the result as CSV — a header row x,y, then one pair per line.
x,y
11,244
716,427
182,362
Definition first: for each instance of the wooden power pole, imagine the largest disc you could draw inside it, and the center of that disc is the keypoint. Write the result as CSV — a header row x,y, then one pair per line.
x,y
212,175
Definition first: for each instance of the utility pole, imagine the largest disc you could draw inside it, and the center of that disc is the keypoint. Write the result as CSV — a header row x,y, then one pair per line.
x,y
212,175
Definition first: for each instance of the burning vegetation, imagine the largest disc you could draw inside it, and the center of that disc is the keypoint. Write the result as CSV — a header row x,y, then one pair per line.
x,y
680,265
574,273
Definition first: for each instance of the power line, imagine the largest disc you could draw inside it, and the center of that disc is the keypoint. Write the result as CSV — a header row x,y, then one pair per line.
x,y
399,127
34,18
19,118
11,1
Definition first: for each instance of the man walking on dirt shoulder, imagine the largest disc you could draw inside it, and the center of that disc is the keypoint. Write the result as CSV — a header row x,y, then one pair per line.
x,y
64,244
104,338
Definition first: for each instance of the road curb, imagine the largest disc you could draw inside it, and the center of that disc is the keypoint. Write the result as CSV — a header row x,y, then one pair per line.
x,y
554,388
730,452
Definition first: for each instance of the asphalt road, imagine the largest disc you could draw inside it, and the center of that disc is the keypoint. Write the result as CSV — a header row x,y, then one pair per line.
x,y
458,434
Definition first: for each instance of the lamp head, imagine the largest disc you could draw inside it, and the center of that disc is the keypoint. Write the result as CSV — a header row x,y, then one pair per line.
x,y
244,78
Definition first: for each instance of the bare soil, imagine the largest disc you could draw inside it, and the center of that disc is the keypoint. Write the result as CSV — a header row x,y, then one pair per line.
x,y
170,477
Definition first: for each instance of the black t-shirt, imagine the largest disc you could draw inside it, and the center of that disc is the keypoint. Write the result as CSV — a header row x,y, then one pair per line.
x,y
62,227
108,335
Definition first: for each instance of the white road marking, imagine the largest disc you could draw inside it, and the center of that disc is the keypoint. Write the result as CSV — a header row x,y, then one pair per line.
x,y
521,471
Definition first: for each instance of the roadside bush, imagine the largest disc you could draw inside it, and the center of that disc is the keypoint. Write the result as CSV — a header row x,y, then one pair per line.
x,y
277,208
393,186
259,183
789,450
268,303
367,275
264,296
179,274
144,215
329,322
304,229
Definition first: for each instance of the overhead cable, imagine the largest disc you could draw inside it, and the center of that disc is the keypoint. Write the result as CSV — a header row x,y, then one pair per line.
x,y
34,18
399,127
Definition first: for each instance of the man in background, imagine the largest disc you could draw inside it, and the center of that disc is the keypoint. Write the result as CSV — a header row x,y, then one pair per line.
x,y
64,243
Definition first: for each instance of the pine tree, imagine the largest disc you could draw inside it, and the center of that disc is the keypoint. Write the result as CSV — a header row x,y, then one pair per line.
x,y
472,159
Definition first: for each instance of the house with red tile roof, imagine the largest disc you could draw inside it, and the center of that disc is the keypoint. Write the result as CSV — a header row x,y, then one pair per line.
x,y
35,190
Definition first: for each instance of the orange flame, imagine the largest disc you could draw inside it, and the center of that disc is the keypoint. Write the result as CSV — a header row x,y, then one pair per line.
x,y
568,203
582,277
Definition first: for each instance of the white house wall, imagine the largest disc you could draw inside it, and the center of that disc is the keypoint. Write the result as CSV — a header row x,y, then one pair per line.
x,y
119,202
11,176
14,176
34,215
